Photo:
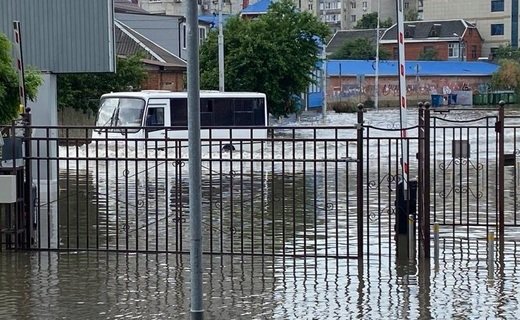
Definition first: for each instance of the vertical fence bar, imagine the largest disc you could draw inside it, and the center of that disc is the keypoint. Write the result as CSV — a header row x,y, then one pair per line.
x,y
359,182
411,237
436,244
426,184
501,168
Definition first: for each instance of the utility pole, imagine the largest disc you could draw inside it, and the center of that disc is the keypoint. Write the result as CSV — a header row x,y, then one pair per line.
x,y
194,163
220,49
376,83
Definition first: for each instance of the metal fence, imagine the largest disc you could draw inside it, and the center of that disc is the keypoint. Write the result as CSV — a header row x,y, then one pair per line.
x,y
319,191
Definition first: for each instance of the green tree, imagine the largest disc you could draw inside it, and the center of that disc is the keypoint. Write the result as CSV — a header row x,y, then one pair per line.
x,y
507,52
82,91
411,15
274,53
9,99
428,55
369,21
508,75
359,49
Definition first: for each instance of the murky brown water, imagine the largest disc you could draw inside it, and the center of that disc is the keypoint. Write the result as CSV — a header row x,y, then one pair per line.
x,y
43,285
81,285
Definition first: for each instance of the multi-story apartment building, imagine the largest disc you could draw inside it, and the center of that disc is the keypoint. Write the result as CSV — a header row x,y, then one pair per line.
x,y
206,7
496,20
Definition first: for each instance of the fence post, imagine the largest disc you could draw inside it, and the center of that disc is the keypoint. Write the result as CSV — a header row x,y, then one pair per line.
x,y
29,195
491,254
360,181
426,183
501,168
420,187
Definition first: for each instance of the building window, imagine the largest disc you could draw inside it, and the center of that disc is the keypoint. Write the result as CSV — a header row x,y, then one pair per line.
x,y
184,36
407,5
365,4
202,35
494,53
311,7
497,5
453,50
497,29
353,18
474,52
353,4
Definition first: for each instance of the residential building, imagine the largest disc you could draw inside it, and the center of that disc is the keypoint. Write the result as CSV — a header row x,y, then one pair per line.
x,y
497,20
449,39
205,7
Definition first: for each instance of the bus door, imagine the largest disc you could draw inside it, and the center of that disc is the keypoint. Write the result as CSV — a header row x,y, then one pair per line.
x,y
157,120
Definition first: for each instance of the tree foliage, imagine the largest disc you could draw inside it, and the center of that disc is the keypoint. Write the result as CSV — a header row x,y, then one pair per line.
x,y
9,98
508,75
359,49
82,91
507,52
411,15
274,53
369,21
428,55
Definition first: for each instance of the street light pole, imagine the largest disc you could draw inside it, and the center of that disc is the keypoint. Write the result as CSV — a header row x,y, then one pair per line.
x,y
220,49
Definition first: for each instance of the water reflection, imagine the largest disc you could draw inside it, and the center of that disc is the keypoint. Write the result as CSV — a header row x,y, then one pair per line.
x,y
156,286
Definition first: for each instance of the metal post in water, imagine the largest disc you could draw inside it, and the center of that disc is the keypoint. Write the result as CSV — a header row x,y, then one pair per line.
x,y
491,254
411,237
359,182
436,244
197,308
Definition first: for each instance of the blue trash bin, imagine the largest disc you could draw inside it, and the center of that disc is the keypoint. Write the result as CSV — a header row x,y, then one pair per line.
x,y
452,99
437,100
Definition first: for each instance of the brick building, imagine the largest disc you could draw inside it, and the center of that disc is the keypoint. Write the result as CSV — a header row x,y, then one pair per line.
x,y
449,39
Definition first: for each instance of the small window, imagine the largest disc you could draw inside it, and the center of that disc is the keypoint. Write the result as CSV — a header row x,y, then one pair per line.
x,y
435,30
474,52
179,112
365,4
353,18
184,36
497,29
155,117
202,35
497,5
453,50
353,4
406,5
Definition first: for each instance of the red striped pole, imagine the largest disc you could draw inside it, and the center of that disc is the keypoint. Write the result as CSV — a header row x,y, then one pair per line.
x,y
402,94
19,64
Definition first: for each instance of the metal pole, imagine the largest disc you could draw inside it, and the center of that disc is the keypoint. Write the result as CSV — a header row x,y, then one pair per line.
x,y
411,237
402,95
501,173
436,244
220,49
324,79
359,182
197,311
376,84
491,254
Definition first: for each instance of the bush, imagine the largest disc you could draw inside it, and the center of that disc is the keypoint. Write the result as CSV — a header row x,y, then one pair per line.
x,y
344,106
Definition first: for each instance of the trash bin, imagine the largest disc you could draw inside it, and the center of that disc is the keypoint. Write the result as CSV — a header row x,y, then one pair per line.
x,y
437,100
477,99
452,99
484,99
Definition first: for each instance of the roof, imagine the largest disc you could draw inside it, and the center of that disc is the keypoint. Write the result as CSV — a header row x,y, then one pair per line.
x,y
212,20
125,6
129,42
426,68
342,36
259,7
433,30
163,30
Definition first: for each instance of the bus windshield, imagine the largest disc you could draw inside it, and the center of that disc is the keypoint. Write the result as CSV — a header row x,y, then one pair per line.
x,y
120,112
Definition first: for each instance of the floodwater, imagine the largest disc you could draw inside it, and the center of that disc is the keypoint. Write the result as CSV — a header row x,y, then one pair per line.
x,y
109,285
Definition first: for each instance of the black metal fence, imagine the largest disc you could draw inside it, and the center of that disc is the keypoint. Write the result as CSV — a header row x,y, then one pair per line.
x,y
321,191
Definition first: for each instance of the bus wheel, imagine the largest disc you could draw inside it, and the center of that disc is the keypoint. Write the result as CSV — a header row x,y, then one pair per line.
x,y
228,148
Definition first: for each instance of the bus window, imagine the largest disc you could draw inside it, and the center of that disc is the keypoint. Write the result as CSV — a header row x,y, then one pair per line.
x,y
206,112
223,112
155,117
259,112
179,112
243,112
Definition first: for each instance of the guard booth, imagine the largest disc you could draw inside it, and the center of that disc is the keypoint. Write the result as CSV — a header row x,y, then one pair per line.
x,y
14,218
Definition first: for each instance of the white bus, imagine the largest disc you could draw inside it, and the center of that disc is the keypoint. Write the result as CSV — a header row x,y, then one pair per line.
x,y
229,118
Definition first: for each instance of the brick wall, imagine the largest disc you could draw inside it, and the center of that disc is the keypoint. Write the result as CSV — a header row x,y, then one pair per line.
x,y
347,88
172,80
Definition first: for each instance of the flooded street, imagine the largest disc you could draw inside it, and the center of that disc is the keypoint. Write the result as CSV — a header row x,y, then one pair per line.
x,y
276,212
